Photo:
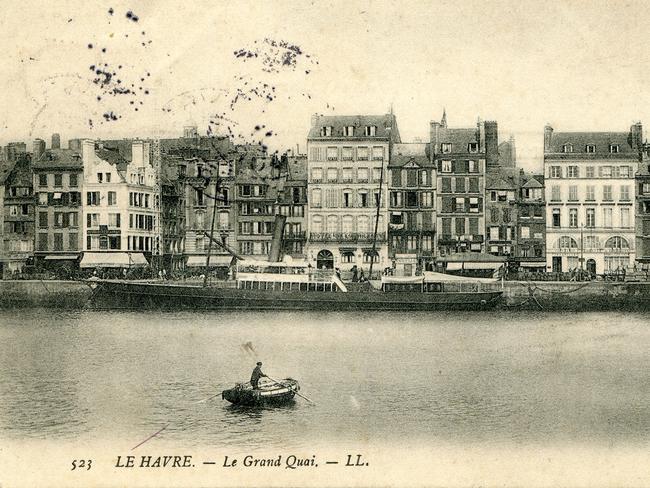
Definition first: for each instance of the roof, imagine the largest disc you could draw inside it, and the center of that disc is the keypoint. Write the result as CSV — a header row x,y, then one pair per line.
x,y
499,183
112,157
459,139
386,126
59,158
602,141
19,173
297,168
532,182
398,160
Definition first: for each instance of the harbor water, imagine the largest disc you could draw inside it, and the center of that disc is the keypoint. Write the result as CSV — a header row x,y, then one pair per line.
x,y
425,379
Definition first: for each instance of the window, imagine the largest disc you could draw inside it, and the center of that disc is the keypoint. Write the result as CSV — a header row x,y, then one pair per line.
x,y
556,217
446,166
446,226
376,175
42,219
460,204
370,130
73,239
346,154
199,198
426,199
446,184
363,198
460,185
572,172
58,180
494,214
378,153
460,226
42,241
506,215
555,172
591,193
114,220
332,153
348,131
614,148
472,147
73,180
555,193
326,131
566,242
114,242
573,193
73,219
645,189
445,148
112,198
616,243
607,217
316,198
590,242
58,242
332,174
92,198
573,217
624,172
473,185
424,178
347,198
100,178
590,218
362,175
362,153
567,148
473,166
316,176
590,148
494,233
108,177
625,218
474,205
525,232
42,180
589,172
625,193
396,199
607,193
605,171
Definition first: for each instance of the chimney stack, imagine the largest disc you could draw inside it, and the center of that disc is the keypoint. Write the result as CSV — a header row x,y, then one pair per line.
x,y
548,134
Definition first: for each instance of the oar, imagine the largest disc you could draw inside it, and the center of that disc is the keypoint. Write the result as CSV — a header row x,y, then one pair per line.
x,y
300,395
209,398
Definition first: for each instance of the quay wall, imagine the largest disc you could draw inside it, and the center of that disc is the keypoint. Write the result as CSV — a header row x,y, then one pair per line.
x,y
44,293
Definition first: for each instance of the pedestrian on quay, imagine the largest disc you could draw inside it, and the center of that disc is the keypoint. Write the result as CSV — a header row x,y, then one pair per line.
x,y
355,274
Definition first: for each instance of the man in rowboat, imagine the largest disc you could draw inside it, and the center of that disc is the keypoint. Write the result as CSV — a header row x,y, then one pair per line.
x,y
257,374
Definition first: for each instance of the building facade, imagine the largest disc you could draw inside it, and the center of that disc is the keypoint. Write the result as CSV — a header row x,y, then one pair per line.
x,y
411,209
530,252
501,211
642,214
18,218
121,214
347,162
590,195
58,184
292,203
460,158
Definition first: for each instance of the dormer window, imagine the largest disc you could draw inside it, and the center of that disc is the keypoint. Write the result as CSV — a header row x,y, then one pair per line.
x,y
371,130
567,148
348,131
326,131
472,147
445,147
614,148
590,148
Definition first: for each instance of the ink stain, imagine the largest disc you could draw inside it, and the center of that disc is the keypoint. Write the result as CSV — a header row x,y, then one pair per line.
x,y
111,11
90,46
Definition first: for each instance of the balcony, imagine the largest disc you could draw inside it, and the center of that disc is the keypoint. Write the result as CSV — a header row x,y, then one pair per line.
x,y
346,237
295,236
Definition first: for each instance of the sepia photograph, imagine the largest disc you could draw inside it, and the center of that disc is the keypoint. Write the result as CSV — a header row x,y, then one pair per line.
x,y
353,243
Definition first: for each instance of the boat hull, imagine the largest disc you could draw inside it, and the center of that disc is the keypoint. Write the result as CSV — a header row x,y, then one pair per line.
x,y
130,295
268,394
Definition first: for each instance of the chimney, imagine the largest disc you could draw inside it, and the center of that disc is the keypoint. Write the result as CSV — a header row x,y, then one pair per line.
x,y
87,151
548,134
137,154
434,138
314,119
491,144
636,134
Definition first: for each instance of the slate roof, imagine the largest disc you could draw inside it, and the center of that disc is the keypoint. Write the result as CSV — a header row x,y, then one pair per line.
x,y
533,182
602,141
459,139
359,122
59,158
498,183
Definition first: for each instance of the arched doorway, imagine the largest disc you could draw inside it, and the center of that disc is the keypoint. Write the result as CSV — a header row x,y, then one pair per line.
x,y
591,266
325,259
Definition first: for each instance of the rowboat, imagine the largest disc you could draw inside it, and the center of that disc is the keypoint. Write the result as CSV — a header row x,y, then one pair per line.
x,y
269,392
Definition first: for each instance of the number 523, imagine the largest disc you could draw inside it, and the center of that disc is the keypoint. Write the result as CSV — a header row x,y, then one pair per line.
x,y
81,463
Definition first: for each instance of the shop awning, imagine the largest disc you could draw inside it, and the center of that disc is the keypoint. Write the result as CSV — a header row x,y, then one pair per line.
x,y
473,265
56,257
525,264
112,260
218,260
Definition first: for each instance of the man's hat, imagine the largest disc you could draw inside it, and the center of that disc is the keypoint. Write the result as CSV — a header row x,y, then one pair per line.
x,y
259,363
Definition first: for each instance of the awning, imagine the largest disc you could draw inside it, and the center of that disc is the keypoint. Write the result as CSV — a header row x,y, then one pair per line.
x,y
112,260
218,260
476,257
524,264
455,266
55,257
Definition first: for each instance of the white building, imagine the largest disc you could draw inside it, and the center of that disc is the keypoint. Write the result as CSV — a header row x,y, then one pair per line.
x,y
121,211
590,194
347,157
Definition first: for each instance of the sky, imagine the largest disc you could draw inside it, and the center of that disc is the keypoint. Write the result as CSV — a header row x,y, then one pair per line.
x,y
576,65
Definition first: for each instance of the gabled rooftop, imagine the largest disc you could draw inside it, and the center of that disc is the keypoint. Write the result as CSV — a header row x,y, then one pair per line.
x,y
386,127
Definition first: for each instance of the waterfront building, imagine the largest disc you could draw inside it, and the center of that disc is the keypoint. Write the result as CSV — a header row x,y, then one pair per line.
x,y
202,181
501,211
58,183
411,209
530,252
461,157
348,158
642,213
172,213
256,197
121,213
590,195
17,205
13,150
292,203
38,148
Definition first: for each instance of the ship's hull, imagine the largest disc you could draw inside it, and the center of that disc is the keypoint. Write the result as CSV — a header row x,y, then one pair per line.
x,y
161,296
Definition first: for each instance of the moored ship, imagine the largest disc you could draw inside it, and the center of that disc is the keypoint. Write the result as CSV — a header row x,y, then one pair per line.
x,y
260,285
